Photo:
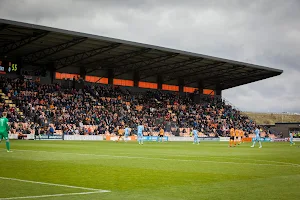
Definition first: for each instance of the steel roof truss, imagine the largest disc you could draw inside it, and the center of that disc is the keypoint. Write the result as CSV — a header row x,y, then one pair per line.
x,y
222,73
194,72
3,27
168,70
231,76
20,43
243,74
147,63
238,82
69,60
148,59
43,53
12,30
117,59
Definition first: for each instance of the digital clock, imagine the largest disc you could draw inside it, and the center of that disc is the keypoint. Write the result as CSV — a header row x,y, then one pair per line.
x,y
8,67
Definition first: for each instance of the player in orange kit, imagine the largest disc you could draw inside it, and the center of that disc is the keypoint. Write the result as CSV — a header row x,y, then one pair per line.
x,y
232,135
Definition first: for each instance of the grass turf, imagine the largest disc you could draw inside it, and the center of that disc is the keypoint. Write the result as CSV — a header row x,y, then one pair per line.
x,y
172,170
271,118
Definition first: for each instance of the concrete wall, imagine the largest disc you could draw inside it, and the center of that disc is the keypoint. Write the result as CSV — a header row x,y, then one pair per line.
x,y
285,128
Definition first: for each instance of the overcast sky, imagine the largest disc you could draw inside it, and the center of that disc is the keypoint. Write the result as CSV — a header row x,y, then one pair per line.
x,y
259,32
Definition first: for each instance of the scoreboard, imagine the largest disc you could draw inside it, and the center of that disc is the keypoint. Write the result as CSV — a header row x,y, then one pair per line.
x,y
9,67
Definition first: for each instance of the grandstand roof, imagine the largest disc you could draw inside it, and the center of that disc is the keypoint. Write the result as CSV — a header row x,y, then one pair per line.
x,y
39,45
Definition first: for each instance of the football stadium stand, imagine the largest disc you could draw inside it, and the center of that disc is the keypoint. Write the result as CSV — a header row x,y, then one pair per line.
x,y
64,82
103,109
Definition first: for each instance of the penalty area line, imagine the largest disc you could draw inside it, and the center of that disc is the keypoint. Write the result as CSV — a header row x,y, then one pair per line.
x,y
54,184
53,195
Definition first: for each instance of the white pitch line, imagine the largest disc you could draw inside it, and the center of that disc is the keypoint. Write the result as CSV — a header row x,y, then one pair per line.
x,y
170,159
190,156
53,184
231,158
52,195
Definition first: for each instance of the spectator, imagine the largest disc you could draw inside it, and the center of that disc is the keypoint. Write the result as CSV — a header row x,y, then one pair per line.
x,y
107,107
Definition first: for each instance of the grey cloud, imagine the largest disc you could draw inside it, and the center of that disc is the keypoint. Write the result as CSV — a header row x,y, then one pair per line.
x,y
260,32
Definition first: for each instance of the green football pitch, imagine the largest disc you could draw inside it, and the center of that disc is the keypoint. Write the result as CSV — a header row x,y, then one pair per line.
x,y
172,170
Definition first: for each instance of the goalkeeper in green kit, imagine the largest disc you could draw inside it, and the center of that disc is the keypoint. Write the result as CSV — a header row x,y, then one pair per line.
x,y
4,128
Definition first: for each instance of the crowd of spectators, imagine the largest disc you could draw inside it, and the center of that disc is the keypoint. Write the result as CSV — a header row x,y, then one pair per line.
x,y
104,109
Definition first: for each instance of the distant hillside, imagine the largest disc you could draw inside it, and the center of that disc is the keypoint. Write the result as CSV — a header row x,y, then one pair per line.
x,y
270,118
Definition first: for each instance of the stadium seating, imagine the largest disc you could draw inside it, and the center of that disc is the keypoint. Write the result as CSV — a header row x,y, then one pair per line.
x,y
104,109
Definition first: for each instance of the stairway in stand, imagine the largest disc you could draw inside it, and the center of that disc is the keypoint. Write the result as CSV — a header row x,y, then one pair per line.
x,y
6,99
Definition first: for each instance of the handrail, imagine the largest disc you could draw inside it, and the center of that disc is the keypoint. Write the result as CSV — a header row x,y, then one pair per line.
x,y
236,108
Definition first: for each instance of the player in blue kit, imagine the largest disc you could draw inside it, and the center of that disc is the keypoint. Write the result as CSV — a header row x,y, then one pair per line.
x,y
126,134
140,130
257,138
195,133
291,138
